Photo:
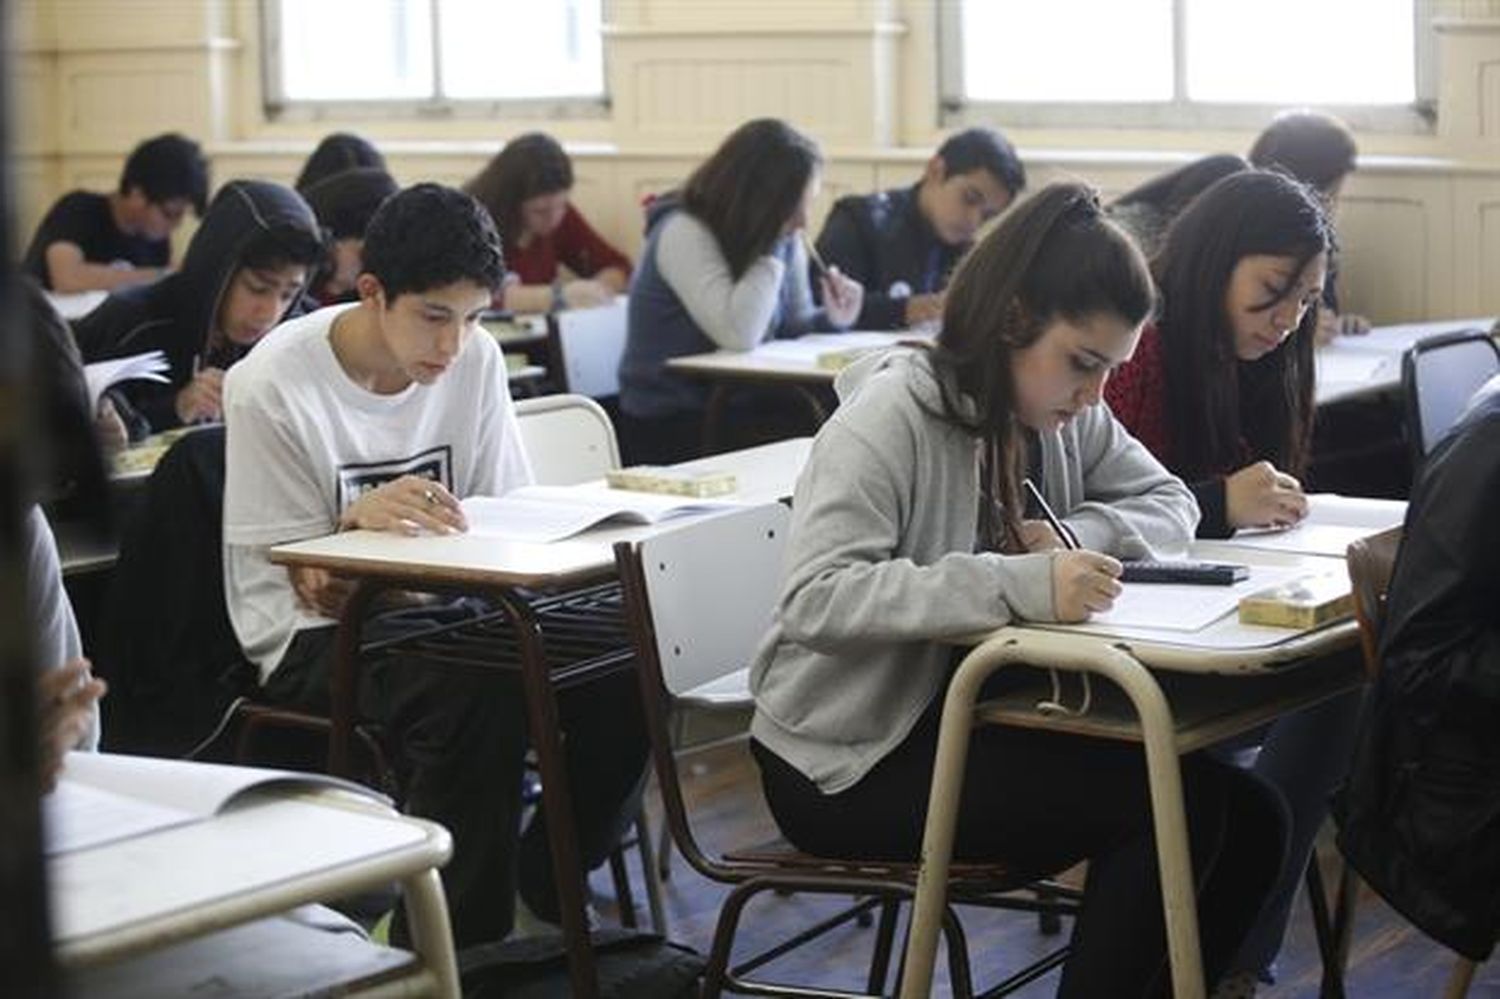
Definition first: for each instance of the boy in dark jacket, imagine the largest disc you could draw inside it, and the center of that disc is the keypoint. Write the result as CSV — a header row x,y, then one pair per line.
x,y
1420,816
902,244
242,273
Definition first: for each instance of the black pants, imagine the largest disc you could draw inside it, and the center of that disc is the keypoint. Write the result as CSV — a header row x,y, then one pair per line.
x,y
460,739
1043,802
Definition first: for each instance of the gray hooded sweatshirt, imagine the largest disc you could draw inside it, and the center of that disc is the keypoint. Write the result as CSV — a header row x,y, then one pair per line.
x,y
881,566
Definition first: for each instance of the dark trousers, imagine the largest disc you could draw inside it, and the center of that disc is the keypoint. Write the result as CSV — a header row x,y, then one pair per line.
x,y
1042,802
460,739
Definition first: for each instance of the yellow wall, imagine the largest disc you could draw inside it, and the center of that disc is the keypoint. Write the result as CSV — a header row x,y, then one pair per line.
x,y
1420,220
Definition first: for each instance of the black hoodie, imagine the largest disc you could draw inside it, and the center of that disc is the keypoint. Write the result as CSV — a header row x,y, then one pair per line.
x,y
177,313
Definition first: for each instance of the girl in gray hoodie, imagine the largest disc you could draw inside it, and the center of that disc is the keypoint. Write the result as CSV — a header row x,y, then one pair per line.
x,y
908,532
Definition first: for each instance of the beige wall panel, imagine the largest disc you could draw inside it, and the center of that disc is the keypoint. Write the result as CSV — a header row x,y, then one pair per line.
x,y
1396,257
89,25
1488,87
1486,286
34,76
35,180
730,15
1476,238
112,101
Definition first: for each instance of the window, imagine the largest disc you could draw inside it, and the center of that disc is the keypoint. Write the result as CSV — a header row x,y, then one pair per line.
x,y
432,53
1183,62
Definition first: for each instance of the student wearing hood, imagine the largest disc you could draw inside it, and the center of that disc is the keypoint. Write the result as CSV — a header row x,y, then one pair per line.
x,y
344,204
242,274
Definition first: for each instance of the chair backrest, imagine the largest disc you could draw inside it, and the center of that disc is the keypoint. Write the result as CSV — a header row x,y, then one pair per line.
x,y
1439,375
587,346
1371,561
569,439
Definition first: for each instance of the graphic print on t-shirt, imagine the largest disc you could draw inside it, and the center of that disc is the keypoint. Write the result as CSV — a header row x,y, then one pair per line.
x,y
357,479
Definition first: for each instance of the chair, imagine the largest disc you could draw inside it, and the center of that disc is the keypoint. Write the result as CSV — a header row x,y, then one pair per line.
x,y
1439,375
569,438
695,627
586,346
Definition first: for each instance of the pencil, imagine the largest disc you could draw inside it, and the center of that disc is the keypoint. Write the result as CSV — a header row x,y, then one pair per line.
x,y
812,252
1063,534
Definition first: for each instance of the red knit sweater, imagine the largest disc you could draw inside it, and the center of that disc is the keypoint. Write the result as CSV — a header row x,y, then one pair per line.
x,y
574,244
1137,395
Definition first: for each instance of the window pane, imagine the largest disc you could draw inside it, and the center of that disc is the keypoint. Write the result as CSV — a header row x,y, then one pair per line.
x,y
1301,51
1067,50
522,48
355,49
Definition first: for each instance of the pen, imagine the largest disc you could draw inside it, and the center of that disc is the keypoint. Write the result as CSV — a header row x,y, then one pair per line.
x,y
1063,534
812,251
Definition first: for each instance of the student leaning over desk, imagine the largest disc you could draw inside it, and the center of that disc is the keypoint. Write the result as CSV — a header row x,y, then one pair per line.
x,y
1221,390
243,271
908,532
725,266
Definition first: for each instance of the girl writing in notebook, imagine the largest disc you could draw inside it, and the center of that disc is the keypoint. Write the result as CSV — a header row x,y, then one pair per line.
x,y
909,531
725,266
1221,390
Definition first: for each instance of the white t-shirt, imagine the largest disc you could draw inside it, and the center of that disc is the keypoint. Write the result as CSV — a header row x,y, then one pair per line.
x,y
54,629
303,441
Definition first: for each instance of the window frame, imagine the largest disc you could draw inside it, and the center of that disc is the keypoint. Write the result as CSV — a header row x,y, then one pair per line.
x,y
279,107
957,110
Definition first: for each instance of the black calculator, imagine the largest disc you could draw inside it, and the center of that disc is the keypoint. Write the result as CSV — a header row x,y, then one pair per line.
x,y
1200,573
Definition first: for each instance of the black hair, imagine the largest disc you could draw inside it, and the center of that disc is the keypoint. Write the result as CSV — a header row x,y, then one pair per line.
x,y
280,246
1266,403
166,167
429,236
339,151
750,187
345,202
1171,192
528,166
1316,148
1056,256
984,149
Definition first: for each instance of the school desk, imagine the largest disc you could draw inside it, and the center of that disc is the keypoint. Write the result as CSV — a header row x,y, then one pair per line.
x,y
1181,691
1371,362
517,576
171,892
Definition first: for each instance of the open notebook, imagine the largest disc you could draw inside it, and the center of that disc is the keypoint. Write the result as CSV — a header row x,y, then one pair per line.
x,y
1332,523
104,797
550,513
151,366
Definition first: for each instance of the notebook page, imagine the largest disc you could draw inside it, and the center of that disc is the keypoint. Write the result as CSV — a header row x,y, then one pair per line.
x,y
1187,607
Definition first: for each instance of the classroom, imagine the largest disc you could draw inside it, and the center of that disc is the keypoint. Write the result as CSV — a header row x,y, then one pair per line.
x,y
665,498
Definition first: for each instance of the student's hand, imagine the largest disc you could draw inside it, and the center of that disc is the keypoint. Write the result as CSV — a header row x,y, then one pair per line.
x,y
1351,325
924,309
65,708
1083,583
407,505
1038,536
842,297
1260,496
1328,327
202,399
320,591
109,428
584,294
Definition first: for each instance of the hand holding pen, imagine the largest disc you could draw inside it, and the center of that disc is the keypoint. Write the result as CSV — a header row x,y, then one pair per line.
x,y
1083,582
201,399
842,295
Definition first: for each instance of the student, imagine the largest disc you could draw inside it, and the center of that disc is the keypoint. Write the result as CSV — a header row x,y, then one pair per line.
x,y
1319,150
1146,211
724,266
1417,817
344,203
881,577
339,151
382,415
527,187
89,241
244,269
902,244
1220,389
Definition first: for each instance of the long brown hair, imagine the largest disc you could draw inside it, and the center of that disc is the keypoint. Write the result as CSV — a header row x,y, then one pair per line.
x,y
1056,256
529,166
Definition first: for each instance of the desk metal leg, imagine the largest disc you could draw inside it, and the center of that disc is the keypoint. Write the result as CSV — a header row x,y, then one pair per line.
x,y
567,871
1163,772
431,934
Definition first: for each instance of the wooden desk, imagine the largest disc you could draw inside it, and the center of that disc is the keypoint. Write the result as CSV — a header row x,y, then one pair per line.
x,y
507,572
122,900
1170,717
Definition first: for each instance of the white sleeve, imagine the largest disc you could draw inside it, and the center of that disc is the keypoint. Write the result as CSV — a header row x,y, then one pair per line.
x,y
271,493
54,629
736,315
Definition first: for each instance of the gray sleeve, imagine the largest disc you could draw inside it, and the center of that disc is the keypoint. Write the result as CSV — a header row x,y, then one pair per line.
x,y
55,630
735,314
802,313
1135,507
845,584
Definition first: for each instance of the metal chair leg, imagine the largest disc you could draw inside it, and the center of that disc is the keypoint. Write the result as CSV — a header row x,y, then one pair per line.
x,y
885,938
623,895
1463,977
649,873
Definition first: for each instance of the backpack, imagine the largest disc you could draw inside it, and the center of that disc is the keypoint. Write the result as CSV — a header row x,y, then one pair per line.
x,y
631,965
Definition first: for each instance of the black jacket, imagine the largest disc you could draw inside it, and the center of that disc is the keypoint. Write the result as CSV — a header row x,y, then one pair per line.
x,y
1420,815
176,314
882,241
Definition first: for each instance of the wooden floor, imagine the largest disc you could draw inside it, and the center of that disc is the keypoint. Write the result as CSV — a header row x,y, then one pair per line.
x,y
1389,959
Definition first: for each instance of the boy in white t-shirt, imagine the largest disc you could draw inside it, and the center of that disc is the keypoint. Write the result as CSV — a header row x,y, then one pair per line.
x,y
382,415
